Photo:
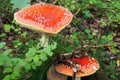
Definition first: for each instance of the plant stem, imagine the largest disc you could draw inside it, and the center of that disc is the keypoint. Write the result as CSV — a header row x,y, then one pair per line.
x,y
44,40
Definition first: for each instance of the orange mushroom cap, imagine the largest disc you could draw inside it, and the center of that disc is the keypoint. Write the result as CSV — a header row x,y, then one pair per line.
x,y
88,66
43,17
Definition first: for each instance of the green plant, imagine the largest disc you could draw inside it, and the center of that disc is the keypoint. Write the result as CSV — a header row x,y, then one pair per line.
x,y
8,27
71,5
14,67
103,58
5,7
2,44
66,45
106,11
111,70
20,4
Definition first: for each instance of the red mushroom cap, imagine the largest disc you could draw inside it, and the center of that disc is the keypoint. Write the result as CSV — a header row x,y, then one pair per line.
x,y
52,74
88,66
42,17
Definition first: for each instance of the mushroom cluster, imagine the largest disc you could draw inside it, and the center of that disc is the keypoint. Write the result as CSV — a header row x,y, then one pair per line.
x,y
78,67
51,19
45,18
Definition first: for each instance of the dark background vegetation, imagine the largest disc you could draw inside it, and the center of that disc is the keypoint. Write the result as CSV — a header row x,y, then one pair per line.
x,y
95,27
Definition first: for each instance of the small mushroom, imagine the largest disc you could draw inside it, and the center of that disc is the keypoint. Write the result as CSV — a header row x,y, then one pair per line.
x,y
87,66
52,74
45,18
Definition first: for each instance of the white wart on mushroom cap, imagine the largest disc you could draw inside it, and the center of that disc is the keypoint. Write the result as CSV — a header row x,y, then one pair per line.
x,y
87,65
42,17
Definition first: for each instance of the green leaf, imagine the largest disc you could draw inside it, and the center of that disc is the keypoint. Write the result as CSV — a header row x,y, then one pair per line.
x,y
17,29
2,59
53,46
7,70
87,14
7,77
47,49
27,66
17,43
21,63
50,54
114,50
110,37
20,3
43,56
8,27
15,74
31,52
8,62
112,44
87,31
104,39
39,63
2,44
30,43
24,34
2,35
90,36
38,46
34,66
7,52
15,60
36,59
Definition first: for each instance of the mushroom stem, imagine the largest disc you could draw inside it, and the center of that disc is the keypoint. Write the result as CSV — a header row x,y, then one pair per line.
x,y
78,78
44,40
75,77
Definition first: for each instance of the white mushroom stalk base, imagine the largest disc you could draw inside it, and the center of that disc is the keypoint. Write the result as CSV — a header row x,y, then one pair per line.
x,y
78,78
44,40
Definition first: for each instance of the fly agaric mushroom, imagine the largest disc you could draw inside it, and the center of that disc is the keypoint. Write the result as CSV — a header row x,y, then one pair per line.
x,y
52,74
45,18
84,66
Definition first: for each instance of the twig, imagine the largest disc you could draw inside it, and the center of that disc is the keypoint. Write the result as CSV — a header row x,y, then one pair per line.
x,y
77,11
76,17
55,2
97,46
